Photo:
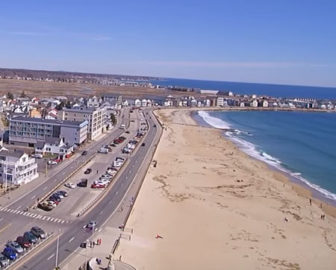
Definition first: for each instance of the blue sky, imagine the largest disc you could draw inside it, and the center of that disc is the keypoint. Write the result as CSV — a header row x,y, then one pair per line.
x,y
284,42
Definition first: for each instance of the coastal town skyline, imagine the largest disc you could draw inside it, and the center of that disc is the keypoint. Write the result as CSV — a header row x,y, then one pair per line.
x,y
238,41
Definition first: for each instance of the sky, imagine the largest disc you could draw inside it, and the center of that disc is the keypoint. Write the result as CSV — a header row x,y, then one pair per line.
x,y
263,41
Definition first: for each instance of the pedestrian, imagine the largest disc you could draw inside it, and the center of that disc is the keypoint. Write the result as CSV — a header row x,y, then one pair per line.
x,y
97,171
310,201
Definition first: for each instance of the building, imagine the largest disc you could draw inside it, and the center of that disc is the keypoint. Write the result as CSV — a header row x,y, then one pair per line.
x,y
54,146
29,131
17,168
96,118
220,101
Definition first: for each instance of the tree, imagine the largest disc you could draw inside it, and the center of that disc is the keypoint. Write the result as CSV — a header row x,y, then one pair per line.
x,y
113,119
10,96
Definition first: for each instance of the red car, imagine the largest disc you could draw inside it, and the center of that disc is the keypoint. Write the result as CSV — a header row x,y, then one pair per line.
x,y
98,185
23,242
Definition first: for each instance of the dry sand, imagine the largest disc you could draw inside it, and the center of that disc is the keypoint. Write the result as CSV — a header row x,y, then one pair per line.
x,y
217,208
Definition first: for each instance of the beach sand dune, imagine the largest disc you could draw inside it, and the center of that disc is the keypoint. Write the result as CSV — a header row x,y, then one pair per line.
x,y
207,205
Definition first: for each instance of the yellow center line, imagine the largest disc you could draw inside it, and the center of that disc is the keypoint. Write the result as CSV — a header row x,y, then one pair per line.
x,y
4,228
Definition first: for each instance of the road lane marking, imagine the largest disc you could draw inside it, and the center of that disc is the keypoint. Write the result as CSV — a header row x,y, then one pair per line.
x,y
33,197
4,228
51,256
45,188
71,239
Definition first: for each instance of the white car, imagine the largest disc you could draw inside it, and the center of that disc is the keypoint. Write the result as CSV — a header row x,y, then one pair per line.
x,y
70,185
52,162
91,225
37,155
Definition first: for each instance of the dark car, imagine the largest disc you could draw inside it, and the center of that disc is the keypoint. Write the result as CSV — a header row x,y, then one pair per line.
x,y
154,125
127,131
83,183
84,153
63,193
23,242
88,170
9,253
29,236
143,144
38,232
55,198
4,262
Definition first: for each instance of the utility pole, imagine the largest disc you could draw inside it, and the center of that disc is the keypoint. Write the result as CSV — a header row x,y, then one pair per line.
x,y
57,244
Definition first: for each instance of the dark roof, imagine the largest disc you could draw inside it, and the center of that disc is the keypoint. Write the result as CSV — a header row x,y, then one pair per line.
x,y
8,153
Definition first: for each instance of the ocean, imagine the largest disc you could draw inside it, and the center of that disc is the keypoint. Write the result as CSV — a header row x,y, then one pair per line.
x,y
301,144
274,90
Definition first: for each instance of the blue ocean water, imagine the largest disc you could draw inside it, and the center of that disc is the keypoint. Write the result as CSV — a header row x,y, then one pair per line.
x,y
302,144
274,90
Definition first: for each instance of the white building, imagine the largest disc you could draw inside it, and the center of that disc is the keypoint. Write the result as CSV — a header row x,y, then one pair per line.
x,y
254,103
144,103
265,103
95,117
54,146
220,101
137,103
17,168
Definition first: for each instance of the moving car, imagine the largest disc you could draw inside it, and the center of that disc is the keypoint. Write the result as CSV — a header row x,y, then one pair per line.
x,y
29,236
70,185
38,232
92,224
103,150
23,242
15,246
9,253
84,153
88,171
4,262
143,144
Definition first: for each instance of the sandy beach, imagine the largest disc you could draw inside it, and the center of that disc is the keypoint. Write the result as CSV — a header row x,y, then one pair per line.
x,y
207,205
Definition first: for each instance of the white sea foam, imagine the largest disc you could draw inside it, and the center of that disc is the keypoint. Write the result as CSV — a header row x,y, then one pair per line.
x,y
251,150
213,121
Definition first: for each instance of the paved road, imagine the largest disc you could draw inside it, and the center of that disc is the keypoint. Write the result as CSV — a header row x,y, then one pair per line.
x,y
73,234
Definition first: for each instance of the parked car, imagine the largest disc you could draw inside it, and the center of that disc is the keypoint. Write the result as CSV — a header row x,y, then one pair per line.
x,y
127,131
15,246
98,185
37,155
23,242
38,232
70,185
88,171
4,261
83,183
52,162
29,236
58,195
45,206
55,199
103,150
63,193
52,204
84,153
9,253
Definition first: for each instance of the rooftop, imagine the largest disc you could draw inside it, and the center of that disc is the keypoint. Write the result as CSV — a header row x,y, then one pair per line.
x,y
47,121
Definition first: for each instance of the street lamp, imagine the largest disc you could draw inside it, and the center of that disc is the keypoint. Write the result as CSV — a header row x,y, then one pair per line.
x,y
57,246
